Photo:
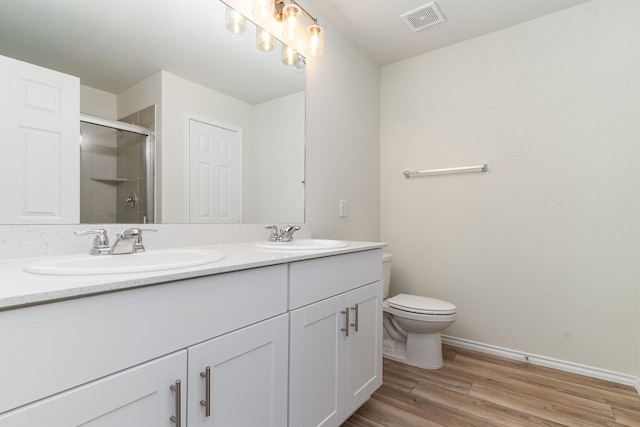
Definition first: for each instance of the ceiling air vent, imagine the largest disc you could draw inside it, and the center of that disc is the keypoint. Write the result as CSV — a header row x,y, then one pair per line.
x,y
423,17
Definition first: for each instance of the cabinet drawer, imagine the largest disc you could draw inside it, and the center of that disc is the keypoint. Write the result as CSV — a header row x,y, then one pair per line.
x,y
320,278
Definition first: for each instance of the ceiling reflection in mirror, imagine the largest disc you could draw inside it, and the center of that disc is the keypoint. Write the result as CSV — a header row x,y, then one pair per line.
x,y
197,69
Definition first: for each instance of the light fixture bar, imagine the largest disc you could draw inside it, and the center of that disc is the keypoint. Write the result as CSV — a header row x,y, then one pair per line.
x,y
279,4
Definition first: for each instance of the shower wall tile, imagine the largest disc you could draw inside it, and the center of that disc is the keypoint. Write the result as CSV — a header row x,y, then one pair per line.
x,y
142,157
105,164
97,160
142,195
105,196
132,119
128,161
108,153
147,117
104,218
132,165
127,140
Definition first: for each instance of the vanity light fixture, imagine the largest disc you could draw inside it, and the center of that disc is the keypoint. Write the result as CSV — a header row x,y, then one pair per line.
x,y
264,40
234,21
289,55
262,9
291,15
291,25
316,41
291,19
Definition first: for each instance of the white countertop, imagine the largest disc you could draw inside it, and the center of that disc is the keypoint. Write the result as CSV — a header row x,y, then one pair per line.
x,y
18,288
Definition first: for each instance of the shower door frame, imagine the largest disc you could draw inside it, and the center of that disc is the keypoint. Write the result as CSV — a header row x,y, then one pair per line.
x,y
149,153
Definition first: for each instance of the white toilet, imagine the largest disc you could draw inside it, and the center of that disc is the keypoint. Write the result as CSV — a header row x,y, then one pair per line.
x,y
412,325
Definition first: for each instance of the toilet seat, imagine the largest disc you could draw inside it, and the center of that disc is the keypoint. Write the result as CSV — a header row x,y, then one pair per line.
x,y
421,305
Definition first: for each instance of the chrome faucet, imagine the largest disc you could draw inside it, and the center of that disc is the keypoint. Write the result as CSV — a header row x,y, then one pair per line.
x,y
274,233
287,233
100,243
284,235
128,242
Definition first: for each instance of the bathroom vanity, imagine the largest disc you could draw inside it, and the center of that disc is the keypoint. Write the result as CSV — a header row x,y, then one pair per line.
x,y
259,338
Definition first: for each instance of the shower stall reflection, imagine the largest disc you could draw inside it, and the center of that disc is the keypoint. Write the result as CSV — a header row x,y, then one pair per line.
x,y
116,173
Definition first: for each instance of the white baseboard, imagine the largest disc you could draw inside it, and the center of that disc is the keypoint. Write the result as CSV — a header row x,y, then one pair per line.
x,y
548,362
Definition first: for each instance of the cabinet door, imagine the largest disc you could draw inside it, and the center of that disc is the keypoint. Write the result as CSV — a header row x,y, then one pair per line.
x,y
138,397
364,345
248,377
317,366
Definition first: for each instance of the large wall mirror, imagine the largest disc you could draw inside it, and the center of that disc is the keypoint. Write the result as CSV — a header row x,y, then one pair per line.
x,y
172,66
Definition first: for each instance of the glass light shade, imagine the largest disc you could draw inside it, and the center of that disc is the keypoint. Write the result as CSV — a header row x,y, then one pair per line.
x,y
234,21
264,41
292,29
262,9
315,44
289,55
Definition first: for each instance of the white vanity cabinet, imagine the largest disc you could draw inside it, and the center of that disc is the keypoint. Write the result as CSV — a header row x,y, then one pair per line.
x,y
335,359
245,370
296,343
58,357
142,396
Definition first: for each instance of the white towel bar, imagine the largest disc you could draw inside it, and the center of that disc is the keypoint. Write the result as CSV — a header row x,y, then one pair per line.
x,y
477,168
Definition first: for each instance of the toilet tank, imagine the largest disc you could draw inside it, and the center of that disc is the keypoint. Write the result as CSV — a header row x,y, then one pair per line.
x,y
386,271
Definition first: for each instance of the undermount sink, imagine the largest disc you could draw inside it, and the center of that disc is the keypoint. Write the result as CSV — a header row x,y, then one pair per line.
x,y
303,245
162,259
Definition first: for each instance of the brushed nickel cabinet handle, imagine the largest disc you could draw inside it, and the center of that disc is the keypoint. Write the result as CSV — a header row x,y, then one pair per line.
x,y
346,326
207,392
177,418
355,325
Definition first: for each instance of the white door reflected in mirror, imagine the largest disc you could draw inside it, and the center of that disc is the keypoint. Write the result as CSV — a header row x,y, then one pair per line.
x,y
215,173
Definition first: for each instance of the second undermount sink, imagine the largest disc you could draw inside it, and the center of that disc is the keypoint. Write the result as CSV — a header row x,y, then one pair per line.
x,y
303,245
162,259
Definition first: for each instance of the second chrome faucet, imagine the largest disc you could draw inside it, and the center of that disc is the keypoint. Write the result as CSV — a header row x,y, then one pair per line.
x,y
284,235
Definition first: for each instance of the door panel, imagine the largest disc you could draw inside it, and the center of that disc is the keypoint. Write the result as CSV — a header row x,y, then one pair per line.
x,y
248,377
364,347
316,385
215,176
39,152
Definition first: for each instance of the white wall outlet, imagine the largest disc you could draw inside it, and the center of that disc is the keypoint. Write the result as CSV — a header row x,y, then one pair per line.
x,y
343,208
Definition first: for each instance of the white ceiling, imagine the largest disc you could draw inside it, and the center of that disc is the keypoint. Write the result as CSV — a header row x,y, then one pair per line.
x,y
113,44
376,27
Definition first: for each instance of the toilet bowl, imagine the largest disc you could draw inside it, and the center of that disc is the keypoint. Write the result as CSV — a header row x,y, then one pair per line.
x,y
412,325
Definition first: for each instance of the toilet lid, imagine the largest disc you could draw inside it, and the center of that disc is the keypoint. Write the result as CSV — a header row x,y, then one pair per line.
x,y
424,305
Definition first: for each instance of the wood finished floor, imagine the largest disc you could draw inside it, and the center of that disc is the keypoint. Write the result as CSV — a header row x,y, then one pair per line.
x,y
476,389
